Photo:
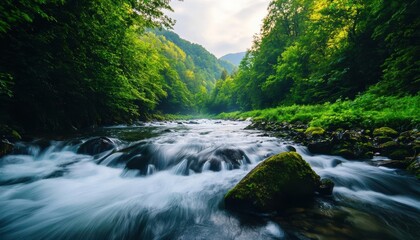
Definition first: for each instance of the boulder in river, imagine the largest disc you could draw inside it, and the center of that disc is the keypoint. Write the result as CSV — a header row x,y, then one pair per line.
x,y
96,145
278,182
326,187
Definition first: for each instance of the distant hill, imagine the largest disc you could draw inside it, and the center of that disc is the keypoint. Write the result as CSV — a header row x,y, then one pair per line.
x,y
234,58
208,64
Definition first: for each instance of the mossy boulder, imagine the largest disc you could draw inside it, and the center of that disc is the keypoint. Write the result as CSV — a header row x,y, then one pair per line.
x,y
278,182
399,154
346,153
385,131
389,146
315,131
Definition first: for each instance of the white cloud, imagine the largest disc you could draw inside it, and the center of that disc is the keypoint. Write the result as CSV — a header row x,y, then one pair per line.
x,y
221,26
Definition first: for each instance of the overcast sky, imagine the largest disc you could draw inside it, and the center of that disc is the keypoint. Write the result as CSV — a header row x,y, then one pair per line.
x,y
221,26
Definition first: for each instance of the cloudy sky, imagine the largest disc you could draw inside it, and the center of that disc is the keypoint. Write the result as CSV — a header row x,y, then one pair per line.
x,y
221,26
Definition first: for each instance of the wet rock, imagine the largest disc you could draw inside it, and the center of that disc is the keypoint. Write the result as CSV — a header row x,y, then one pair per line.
x,y
96,145
326,187
385,131
336,162
399,154
277,183
193,122
233,158
346,153
383,139
138,162
393,164
322,147
231,155
389,146
314,131
5,148
414,167
290,148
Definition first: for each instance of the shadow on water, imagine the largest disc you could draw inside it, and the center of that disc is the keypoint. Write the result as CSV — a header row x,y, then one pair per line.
x,y
167,181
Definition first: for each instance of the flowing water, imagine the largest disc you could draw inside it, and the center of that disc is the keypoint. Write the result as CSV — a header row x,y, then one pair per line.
x,y
167,181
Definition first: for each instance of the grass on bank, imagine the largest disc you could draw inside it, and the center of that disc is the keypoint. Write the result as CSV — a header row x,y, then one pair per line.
x,y
366,111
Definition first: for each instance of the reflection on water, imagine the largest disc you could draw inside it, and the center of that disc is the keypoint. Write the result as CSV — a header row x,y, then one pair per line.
x,y
167,181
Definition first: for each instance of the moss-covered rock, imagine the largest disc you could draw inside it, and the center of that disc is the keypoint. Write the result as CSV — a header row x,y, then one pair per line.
x,y
389,146
399,154
315,131
346,153
385,131
276,183
414,167
383,139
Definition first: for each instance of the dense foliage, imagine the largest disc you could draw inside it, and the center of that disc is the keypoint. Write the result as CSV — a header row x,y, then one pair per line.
x,y
319,51
368,111
71,63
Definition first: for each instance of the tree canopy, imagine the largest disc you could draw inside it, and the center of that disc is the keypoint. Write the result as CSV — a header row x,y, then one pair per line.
x,y
320,51
72,63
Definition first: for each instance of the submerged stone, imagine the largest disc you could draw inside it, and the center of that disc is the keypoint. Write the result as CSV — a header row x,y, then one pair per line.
x,y
96,145
326,187
278,182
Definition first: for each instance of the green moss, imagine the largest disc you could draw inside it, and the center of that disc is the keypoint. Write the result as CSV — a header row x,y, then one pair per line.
x,y
414,168
314,131
385,131
389,145
399,154
300,130
383,139
274,182
346,153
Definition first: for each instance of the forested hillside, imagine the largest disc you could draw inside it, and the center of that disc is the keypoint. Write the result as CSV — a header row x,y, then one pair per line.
x,y
72,64
202,58
311,52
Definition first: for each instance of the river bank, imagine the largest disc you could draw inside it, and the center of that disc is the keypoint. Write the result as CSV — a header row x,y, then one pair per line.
x,y
401,148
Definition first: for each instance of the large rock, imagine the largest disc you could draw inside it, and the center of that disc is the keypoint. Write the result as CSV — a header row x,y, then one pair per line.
x,y
385,131
278,182
96,145
314,131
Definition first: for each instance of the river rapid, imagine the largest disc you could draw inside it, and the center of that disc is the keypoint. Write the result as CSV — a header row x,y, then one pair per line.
x,y
167,181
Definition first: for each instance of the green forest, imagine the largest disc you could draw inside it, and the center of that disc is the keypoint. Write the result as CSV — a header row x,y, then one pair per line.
x,y
70,64
73,64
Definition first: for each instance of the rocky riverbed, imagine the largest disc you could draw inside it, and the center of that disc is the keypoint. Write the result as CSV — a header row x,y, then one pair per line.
x,y
400,148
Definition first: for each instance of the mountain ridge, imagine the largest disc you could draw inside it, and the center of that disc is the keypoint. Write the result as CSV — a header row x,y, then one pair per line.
x,y
234,58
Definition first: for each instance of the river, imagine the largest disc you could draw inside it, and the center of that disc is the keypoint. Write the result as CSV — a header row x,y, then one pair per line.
x,y
167,181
